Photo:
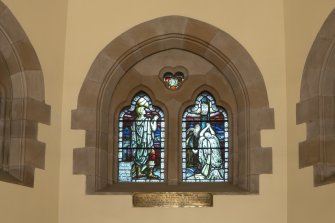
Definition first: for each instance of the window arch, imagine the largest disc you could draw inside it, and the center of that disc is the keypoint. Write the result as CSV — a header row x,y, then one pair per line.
x,y
316,107
138,60
22,104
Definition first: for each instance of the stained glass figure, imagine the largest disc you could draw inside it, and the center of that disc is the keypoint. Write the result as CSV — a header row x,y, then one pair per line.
x,y
173,81
205,141
141,142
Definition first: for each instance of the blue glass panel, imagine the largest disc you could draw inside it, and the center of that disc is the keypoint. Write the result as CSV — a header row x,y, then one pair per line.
x,y
141,142
205,141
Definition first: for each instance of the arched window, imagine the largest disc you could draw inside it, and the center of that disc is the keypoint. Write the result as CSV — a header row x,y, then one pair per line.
x,y
205,142
141,142
175,64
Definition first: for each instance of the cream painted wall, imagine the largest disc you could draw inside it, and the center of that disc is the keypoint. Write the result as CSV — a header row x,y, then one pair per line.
x,y
44,23
308,204
258,25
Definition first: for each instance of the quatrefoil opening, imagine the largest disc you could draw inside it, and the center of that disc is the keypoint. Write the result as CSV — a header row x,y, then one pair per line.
x,y
173,78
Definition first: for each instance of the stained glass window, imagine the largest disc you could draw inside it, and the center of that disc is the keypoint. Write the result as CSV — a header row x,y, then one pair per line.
x,y
173,81
141,141
205,141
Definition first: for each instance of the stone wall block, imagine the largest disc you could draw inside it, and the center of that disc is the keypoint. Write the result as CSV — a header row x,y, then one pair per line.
x,y
324,174
308,110
254,139
101,184
93,138
34,153
328,128
2,141
328,33
172,24
84,119
242,182
230,48
315,59
313,67
7,51
89,94
103,164
201,30
313,129
18,106
219,61
84,161
11,27
329,172
253,83
194,47
2,7
28,84
16,151
27,55
23,128
111,82
28,175
38,111
253,183
328,104
131,60
256,89
263,117
261,161
35,85
329,154
309,153
117,49
141,33
175,42
91,182
328,80
18,85
309,85
16,171
100,68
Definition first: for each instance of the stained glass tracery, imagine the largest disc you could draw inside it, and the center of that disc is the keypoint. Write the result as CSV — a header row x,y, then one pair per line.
x,y
141,141
205,141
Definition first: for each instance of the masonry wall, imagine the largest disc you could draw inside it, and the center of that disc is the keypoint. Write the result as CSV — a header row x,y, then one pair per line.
x,y
44,24
59,196
257,25
306,203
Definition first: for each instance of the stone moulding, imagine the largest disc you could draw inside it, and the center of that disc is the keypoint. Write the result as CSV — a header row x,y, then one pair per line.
x,y
161,34
22,104
317,106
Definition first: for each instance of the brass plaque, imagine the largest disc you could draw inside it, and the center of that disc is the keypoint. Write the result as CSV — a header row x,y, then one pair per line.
x,y
173,199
